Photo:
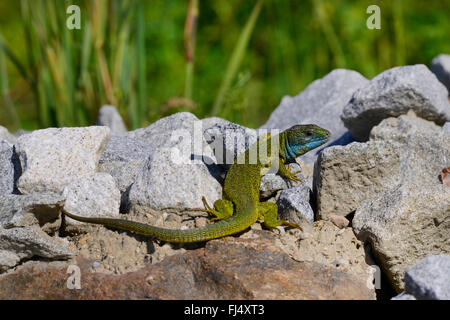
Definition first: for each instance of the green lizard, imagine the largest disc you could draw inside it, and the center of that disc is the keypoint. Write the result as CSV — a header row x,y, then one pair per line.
x,y
239,207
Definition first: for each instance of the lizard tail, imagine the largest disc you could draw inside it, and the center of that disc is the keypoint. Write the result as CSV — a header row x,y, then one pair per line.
x,y
219,229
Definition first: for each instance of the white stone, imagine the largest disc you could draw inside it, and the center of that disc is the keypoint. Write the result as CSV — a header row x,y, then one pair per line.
x,y
92,196
52,158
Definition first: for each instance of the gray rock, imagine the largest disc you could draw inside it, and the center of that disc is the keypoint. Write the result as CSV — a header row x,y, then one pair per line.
x,y
21,132
404,225
168,131
429,278
228,139
5,135
440,66
212,121
271,183
392,93
404,296
293,205
31,209
6,167
346,175
425,146
172,179
400,150
446,127
179,172
123,157
321,103
126,149
92,196
52,158
110,117
18,244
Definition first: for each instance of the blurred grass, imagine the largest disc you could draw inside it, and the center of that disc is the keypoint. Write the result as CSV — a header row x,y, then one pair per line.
x,y
235,58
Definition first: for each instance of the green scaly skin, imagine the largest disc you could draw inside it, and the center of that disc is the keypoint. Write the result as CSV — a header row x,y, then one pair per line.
x,y
240,206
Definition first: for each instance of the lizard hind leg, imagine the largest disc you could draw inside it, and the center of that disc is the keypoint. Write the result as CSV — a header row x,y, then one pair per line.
x,y
268,211
222,209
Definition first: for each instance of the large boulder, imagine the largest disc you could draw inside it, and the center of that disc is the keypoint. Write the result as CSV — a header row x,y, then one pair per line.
x,y
404,225
401,149
51,158
392,93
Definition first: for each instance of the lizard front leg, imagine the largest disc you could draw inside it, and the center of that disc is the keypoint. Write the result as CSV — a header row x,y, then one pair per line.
x,y
268,211
287,173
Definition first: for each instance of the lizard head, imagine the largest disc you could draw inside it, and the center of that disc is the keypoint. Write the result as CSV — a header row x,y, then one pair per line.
x,y
299,139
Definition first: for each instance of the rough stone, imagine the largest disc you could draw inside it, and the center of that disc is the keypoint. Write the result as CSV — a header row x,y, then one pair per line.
x,y
446,127
392,93
6,135
404,296
228,139
122,158
18,244
225,269
212,121
180,172
170,179
425,146
21,132
321,103
7,167
347,175
52,158
270,184
401,149
119,252
325,243
110,117
92,196
31,209
339,221
293,205
429,278
440,66
404,225
168,131
445,176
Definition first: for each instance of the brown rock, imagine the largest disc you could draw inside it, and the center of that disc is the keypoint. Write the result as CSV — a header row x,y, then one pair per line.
x,y
229,268
339,221
445,176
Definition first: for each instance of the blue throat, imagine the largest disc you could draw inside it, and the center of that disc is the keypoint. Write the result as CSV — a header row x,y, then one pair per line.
x,y
290,153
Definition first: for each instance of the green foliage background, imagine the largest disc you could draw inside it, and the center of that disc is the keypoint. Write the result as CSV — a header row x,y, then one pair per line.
x,y
293,43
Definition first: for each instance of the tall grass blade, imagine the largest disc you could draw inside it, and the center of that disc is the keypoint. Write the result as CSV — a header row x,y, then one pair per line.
x,y
4,93
330,34
190,31
236,57
139,114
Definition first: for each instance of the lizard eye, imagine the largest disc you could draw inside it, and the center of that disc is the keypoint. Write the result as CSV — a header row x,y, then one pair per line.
x,y
309,135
